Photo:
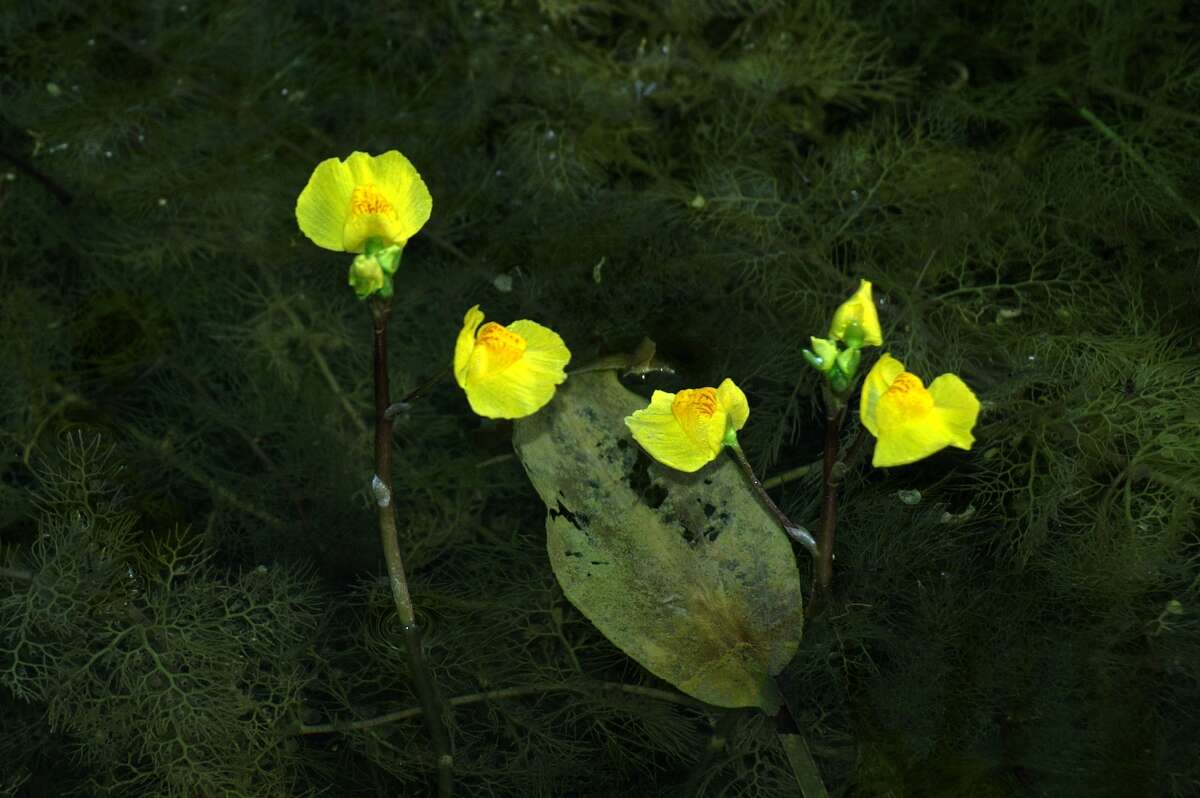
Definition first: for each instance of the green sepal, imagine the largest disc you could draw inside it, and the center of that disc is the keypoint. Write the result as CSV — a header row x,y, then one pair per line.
x,y
822,355
847,362
854,336
371,272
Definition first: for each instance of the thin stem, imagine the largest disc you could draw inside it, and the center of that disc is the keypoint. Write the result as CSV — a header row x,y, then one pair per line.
x,y
399,407
804,767
431,703
835,411
18,574
1159,179
322,364
503,694
794,531
61,194
799,472
725,727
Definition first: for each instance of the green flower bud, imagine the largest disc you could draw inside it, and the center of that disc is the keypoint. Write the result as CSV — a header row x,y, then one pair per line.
x,y
822,355
372,271
839,383
847,362
366,276
854,336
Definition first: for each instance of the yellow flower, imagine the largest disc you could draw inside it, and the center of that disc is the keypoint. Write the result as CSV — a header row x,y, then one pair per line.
x,y
856,321
687,430
508,372
365,196
910,421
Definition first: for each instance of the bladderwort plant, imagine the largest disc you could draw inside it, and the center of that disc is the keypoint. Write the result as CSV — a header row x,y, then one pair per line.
x,y
372,205
1014,178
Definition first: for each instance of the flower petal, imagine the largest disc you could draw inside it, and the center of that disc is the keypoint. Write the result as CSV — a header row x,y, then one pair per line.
x,y
878,380
657,430
323,205
466,344
858,308
515,392
734,401
958,408
911,441
499,388
545,352
702,418
399,180
366,196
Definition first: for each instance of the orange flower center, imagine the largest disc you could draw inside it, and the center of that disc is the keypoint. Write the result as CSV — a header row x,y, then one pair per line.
x,y
908,395
693,407
367,200
500,346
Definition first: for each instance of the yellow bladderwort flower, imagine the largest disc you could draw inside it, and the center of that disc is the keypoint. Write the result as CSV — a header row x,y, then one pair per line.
x,y
911,421
365,197
856,321
508,372
687,430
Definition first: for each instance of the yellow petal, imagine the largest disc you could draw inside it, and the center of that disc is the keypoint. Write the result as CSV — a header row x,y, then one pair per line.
x,y
400,181
366,196
509,372
910,441
466,344
858,308
913,422
905,401
658,431
497,349
702,418
390,202
878,380
958,408
545,352
734,401
861,309
322,206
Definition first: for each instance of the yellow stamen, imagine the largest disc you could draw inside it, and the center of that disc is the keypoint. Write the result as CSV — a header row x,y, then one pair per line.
x,y
909,395
694,406
503,346
367,200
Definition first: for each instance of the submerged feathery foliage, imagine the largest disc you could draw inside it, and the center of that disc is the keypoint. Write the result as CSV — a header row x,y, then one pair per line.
x,y
1015,178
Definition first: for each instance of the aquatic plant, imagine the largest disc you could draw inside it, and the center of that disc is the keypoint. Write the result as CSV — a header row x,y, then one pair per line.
x,y
1016,179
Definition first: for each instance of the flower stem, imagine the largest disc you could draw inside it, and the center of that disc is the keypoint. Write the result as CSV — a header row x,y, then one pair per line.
x,y
794,531
835,411
427,694
406,403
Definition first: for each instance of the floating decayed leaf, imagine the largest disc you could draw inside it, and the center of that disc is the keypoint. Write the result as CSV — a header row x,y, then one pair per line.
x,y
686,573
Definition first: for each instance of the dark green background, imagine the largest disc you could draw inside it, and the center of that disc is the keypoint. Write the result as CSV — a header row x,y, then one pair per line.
x,y
1018,179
